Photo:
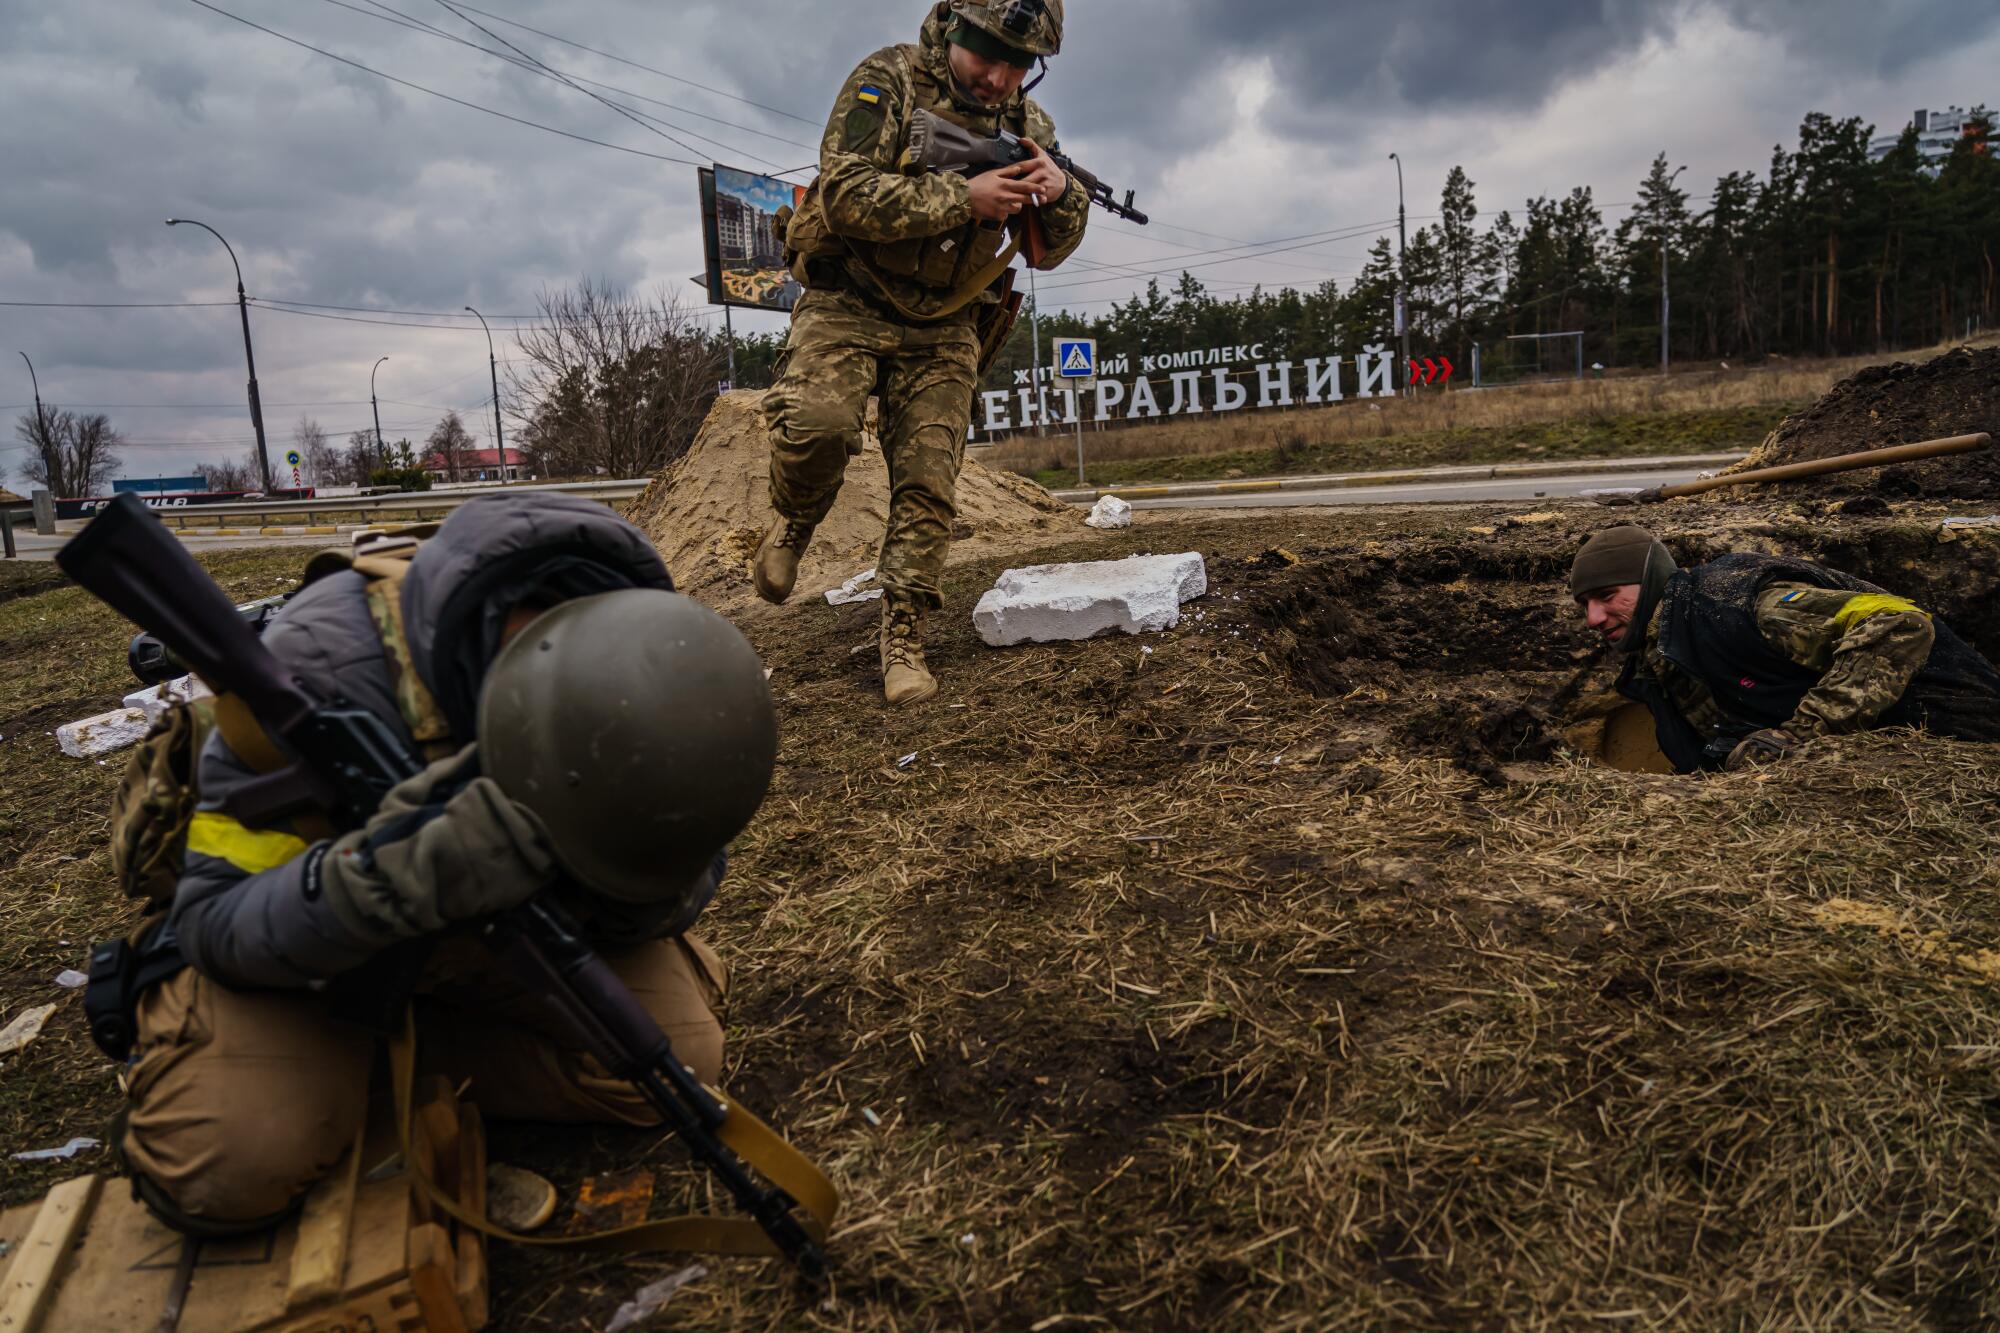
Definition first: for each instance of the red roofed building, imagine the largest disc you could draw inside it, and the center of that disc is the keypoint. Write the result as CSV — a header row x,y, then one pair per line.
x,y
478,465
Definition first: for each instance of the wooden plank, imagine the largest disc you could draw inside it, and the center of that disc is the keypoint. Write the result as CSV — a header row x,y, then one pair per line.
x,y
319,1256
472,1194
31,1278
431,1262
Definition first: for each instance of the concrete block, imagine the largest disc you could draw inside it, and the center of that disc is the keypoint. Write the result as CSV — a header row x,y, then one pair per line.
x,y
1045,603
93,736
157,699
1110,512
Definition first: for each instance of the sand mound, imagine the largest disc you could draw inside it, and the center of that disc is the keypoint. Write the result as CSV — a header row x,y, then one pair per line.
x,y
1901,403
707,509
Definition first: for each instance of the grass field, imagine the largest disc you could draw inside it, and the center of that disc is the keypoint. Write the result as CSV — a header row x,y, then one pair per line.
x,y
1287,975
1728,408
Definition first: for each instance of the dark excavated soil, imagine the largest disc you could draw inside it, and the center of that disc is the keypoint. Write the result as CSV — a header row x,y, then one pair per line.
x,y
1957,393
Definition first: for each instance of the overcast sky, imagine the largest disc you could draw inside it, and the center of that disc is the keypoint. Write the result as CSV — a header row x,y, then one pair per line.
x,y
1236,120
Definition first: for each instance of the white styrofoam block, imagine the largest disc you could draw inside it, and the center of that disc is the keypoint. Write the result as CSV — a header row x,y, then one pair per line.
x,y
1110,512
850,591
157,699
92,736
1044,603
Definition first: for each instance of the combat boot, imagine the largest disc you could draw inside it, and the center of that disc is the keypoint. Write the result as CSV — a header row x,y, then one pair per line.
x,y
905,678
775,567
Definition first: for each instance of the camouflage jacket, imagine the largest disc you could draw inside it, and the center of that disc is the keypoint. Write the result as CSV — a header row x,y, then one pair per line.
x,y
1867,647
911,236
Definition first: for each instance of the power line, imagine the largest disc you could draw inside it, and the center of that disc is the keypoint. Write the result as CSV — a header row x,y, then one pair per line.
x,y
456,101
776,111
112,305
400,19
572,84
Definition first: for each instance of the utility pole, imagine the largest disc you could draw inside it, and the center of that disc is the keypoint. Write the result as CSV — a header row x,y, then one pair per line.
x,y
380,456
1663,266
249,358
729,338
493,368
1402,271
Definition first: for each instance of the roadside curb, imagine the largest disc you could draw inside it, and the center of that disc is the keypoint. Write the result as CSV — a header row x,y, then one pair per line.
x,y
1478,472
316,530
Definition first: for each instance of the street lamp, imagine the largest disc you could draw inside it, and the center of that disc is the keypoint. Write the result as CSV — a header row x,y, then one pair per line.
x,y
1663,265
242,308
41,419
493,366
1402,272
380,456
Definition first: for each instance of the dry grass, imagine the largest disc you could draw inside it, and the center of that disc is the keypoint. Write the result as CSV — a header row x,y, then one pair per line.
x,y
1500,409
1160,990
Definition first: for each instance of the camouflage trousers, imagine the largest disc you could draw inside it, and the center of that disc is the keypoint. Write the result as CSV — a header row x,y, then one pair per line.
x,y
839,353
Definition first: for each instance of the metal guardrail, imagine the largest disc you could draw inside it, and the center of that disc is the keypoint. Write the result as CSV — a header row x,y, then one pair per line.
x,y
404,506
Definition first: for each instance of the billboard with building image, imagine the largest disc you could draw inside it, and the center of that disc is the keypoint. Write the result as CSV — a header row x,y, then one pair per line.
x,y
746,264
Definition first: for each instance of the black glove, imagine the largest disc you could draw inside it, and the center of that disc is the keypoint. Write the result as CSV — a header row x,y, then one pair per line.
x,y
445,847
1762,747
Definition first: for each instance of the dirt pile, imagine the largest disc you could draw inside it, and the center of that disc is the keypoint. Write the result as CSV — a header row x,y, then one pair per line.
x,y
707,509
1954,394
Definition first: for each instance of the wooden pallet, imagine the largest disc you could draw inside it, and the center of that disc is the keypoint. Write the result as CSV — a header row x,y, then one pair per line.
x,y
361,1257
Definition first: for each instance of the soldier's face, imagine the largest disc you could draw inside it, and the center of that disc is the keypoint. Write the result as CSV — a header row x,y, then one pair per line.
x,y
991,81
1609,610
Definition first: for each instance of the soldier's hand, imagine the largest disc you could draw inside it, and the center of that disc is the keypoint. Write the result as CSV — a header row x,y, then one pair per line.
x,y
999,195
1761,747
1048,180
446,846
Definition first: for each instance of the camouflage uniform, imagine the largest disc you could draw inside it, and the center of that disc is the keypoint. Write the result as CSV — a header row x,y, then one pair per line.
x,y
1868,647
882,253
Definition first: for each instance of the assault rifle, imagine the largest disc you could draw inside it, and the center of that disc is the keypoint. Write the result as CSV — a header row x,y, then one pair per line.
x,y
935,144
350,758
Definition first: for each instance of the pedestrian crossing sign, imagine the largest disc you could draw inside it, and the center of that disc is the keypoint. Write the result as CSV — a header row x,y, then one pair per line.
x,y
1076,358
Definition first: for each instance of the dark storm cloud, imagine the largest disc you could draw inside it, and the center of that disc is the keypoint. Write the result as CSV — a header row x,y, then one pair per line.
x,y
337,186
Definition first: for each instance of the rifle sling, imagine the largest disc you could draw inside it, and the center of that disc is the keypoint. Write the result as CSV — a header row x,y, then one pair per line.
x,y
755,1142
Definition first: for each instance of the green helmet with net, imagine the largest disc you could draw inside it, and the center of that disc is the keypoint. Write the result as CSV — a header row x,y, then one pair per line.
x,y
1019,32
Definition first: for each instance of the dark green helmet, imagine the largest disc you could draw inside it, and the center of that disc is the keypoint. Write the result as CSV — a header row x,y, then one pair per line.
x,y
638,728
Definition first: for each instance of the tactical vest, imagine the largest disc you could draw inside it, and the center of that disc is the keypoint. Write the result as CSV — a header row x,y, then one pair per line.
x,y
951,269
154,805
1708,627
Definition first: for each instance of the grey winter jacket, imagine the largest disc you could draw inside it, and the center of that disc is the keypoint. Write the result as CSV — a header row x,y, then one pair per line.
x,y
254,927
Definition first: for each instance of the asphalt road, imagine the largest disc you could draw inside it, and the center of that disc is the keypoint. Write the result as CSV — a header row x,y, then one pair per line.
x,y
1502,488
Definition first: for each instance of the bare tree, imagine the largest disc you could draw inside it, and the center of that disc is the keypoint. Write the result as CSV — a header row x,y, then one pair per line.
x,y
246,474
319,460
361,458
71,455
612,382
449,444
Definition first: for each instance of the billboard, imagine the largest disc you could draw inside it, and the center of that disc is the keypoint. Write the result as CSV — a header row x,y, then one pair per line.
x,y
746,259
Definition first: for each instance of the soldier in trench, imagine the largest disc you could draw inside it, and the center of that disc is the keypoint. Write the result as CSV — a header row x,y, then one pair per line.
x,y
1743,659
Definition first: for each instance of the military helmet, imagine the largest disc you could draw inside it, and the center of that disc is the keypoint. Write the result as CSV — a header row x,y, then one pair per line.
x,y
637,727
1032,27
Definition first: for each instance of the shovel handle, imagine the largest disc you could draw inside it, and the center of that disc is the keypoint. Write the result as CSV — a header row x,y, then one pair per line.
x,y
1899,453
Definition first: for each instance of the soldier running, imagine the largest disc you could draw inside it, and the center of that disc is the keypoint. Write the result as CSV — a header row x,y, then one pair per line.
x,y
1743,658
900,270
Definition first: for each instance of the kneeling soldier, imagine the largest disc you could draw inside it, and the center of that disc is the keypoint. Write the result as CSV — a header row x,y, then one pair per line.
x,y
1742,658
638,732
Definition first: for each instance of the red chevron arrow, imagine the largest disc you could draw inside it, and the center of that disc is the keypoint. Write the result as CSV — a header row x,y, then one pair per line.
x,y
1445,361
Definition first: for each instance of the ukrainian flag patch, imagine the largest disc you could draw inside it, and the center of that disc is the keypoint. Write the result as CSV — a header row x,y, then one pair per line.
x,y
869,93
1791,597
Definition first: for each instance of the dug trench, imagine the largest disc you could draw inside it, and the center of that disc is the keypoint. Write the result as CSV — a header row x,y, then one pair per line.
x,y
1291,967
